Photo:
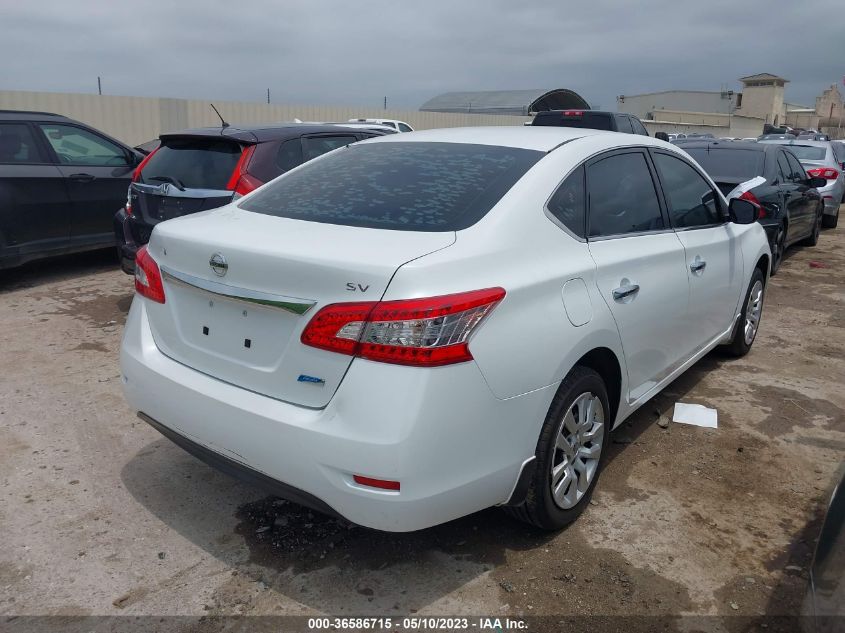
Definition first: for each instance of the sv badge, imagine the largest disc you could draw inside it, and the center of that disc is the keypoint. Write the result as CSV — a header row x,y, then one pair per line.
x,y
356,287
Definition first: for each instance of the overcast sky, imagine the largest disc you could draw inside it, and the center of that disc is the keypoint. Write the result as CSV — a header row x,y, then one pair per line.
x,y
355,53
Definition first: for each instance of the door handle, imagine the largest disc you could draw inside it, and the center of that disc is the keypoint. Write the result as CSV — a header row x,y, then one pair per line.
x,y
82,177
625,291
697,265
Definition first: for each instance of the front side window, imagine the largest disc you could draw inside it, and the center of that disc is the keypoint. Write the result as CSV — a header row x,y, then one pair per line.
x,y
622,197
798,174
623,124
692,202
404,128
313,146
639,128
784,170
397,186
568,202
17,144
77,146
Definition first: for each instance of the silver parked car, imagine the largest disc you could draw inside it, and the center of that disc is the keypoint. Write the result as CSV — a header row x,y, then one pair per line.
x,y
819,159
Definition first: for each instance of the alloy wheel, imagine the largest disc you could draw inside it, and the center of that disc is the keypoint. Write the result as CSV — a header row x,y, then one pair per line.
x,y
578,447
753,311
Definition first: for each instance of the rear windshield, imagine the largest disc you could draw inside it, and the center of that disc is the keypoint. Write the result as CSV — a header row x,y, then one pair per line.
x,y
728,163
589,120
193,163
399,186
808,152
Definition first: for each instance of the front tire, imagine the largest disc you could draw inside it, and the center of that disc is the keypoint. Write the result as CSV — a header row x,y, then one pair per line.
x,y
813,238
570,452
745,331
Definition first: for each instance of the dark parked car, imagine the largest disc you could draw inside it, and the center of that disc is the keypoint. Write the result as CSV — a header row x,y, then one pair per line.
x,y
197,170
825,599
790,206
60,182
593,119
813,137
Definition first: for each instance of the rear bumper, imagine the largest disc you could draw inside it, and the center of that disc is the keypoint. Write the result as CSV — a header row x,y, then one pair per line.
x,y
453,446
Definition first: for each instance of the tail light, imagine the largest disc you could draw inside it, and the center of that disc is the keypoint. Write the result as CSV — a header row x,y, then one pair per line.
x,y
148,276
425,332
750,197
573,112
128,205
241,182
828,173
136,175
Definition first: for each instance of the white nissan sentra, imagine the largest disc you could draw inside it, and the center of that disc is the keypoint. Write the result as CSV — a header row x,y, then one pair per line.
x,y
416,327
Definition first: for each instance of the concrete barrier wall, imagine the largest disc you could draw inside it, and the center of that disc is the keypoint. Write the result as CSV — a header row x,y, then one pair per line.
x,y
135,120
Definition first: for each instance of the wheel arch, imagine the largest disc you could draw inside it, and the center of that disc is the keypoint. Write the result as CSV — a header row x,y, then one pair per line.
x,y
764,264
605,363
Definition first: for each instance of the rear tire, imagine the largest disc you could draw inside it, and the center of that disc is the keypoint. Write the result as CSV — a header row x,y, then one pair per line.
x,y
748,324
570,452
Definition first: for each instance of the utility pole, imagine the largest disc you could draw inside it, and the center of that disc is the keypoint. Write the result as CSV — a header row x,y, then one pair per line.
x,y
99,86
385,103
268,95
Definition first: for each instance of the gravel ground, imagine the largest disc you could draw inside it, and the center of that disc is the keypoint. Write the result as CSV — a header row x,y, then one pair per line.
x,y
100,515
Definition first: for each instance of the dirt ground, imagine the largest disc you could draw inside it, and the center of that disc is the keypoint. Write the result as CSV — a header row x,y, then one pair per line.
x,y
101,515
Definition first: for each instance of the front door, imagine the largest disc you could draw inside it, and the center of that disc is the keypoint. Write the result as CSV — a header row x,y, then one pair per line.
x,y
640,266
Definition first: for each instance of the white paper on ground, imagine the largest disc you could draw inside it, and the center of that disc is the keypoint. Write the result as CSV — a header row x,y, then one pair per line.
x,y
696,414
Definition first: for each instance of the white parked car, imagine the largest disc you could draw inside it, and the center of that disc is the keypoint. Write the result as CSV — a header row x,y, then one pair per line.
x,y
399,126
410,329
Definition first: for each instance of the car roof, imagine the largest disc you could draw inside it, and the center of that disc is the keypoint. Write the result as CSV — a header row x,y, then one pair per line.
x,y
26,115
260,133
698,143
539,138
795,141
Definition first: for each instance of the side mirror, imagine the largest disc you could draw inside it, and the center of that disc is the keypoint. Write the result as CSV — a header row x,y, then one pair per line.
x,y
815,182
743,211
662,136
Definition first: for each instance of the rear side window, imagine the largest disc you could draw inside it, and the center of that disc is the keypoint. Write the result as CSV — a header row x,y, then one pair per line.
x,y
404,128
76,146
313,146
17,144
639,128
721,163
193,163
808,152
399,186
568,203
623,124
622,197
692,202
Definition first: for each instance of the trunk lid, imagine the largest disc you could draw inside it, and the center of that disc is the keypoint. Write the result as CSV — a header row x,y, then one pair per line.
x,y
185,175
244,326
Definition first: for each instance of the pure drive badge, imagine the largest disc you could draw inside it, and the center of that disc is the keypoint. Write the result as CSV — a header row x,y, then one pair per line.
x,y
218,264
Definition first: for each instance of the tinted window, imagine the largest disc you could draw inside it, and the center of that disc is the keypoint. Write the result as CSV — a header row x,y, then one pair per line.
x,y
691,200
76,146
728,163
622,196
639,128
400,186
313,146
193,163
808,152
623,124
404,128
590,120
784,170
289,155
797,171
17,144
568,203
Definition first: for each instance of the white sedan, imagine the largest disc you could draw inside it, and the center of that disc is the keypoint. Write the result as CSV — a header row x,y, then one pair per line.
x,y
416,327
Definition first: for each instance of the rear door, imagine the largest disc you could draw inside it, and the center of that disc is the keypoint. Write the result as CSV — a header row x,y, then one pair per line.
x,y
186,175
640,266
34,206
97,172
713,265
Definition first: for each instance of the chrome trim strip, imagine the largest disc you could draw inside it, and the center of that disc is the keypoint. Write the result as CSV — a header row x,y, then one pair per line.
x,y
290,304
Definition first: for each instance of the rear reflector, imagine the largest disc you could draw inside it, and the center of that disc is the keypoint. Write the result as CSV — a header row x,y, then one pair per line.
x,y
828,173
148,277
426,332
384,484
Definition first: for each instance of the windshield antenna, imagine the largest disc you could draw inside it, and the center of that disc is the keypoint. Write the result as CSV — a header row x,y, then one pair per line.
x,y
218,114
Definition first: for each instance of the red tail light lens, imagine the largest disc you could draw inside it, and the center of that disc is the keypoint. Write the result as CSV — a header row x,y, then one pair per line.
x,y
828,173
573,112
148,276
753,200
384,484
241,182
425,332
136,175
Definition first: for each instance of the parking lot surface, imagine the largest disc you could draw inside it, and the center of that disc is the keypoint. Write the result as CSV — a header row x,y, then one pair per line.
x,y
101,515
